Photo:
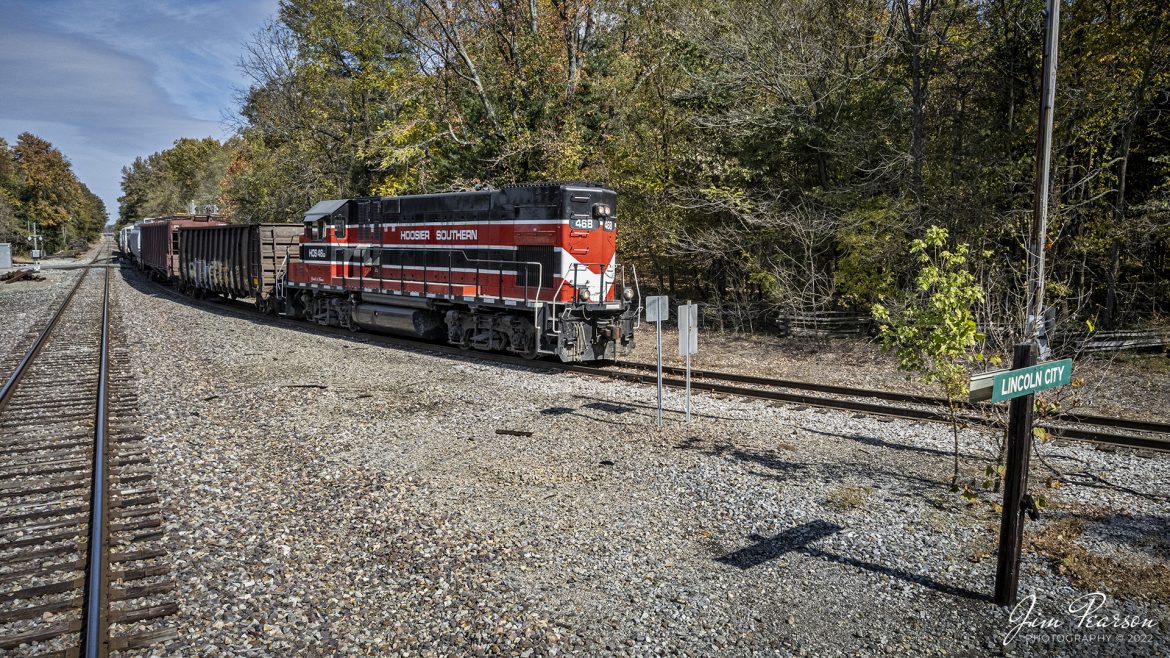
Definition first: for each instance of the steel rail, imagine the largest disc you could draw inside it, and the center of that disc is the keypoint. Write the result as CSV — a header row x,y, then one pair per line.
x,y
909,398
93,625
871,408
18,373
95,637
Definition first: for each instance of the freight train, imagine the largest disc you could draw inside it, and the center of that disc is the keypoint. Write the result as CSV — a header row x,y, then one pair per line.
x,y
530,269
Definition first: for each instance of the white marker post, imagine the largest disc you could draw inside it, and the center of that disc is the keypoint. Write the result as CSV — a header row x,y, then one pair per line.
x,y
35,252
688,341
657,310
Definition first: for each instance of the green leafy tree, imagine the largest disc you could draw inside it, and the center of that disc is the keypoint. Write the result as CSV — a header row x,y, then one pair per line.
x,y
883,117
50,194
933,330
167,182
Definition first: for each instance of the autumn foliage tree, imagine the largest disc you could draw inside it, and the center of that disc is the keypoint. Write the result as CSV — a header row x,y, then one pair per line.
x,y
38,185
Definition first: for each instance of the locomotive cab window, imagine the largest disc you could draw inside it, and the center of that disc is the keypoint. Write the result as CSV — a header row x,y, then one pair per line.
x,y
338,228
319,229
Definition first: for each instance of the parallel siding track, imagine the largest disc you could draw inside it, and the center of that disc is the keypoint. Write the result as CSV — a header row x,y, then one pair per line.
x,y
82,570
1145,435
1101,430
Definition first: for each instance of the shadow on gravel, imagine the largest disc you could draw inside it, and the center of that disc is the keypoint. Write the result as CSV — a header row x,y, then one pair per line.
x,y
774,464
626,407
797,540
928,583
782,470
605,410
880,443
571,411
769,548
1092,481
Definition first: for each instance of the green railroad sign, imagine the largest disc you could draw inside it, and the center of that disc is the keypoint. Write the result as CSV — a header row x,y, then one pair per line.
x,y
1008,384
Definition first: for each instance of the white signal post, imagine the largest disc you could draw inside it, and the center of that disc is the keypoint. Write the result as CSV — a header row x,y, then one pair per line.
x,y
35,242
688,341
657,310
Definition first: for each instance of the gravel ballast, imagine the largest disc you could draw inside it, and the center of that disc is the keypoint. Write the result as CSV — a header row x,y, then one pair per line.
x,y
26,307
330,496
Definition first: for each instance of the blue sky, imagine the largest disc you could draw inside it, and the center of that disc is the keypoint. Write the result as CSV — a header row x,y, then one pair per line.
x,y
108,81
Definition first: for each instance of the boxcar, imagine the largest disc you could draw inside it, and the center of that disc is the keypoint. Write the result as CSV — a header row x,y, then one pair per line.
x,y
159,243
236,260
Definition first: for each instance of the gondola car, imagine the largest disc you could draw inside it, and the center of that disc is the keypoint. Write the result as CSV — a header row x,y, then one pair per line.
x,y
530,269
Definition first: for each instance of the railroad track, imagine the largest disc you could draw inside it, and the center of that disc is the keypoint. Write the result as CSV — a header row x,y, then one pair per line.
x,y
1101,430
1142,435
82,570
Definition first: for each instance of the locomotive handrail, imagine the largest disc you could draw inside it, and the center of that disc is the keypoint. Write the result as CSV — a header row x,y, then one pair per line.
x,y
282,274
539,273
638,290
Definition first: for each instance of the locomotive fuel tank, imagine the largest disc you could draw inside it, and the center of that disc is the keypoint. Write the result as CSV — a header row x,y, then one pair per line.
x,y
418,323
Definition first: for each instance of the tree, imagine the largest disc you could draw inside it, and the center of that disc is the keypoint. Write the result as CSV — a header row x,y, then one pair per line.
x,y
50,195
192,171
933,330
872,119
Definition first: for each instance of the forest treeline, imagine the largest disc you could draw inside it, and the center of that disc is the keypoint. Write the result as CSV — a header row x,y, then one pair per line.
x,y
37,184
772,156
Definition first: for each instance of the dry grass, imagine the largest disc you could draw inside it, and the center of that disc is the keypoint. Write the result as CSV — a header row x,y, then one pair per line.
x,y
848,497
1122,577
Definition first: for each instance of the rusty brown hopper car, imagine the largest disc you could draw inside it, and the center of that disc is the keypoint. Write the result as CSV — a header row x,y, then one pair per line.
x,y
236,260
160,243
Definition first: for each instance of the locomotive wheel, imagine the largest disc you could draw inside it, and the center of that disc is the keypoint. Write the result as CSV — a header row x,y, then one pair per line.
x,y
532,350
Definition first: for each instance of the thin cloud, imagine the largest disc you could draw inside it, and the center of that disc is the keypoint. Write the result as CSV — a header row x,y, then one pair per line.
x,y
106,86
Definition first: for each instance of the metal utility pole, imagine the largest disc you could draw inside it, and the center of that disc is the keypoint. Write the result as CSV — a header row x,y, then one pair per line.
x,y
1016,501
1034,318
657,311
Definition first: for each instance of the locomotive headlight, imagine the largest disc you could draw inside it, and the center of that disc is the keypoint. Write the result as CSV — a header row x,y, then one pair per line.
x,y
583,294
628,294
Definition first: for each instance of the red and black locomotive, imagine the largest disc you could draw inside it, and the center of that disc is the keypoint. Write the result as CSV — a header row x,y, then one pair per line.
x,y
530,269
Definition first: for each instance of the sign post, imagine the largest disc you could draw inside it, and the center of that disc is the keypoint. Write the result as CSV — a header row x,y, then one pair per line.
x,y
1016,501
688,341
657,310
1020,385
35,252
